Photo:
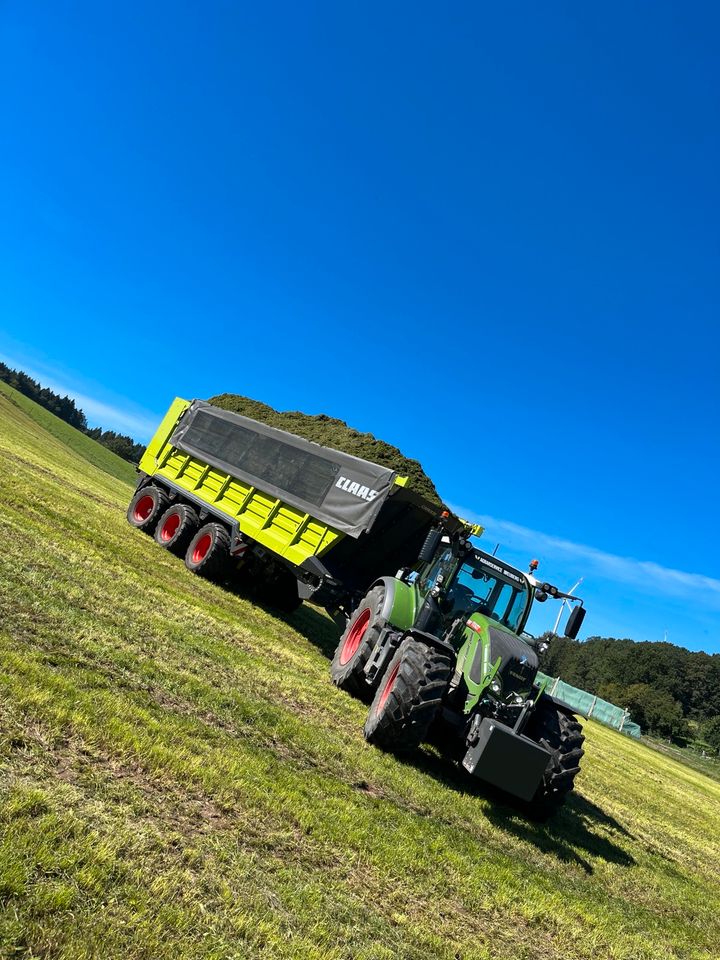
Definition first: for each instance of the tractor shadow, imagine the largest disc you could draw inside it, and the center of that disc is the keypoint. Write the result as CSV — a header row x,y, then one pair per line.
x,y
579,829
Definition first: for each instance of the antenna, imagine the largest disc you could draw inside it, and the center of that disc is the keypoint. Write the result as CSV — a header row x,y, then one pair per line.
x,y
497,547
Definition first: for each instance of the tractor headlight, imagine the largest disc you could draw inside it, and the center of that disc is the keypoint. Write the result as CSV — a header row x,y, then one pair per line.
x,y
496,686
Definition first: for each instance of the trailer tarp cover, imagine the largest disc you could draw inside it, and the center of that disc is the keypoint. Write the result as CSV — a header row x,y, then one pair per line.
x,y
337,488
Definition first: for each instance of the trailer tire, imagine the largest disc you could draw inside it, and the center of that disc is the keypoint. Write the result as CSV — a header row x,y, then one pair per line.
x,y
208,553
356,644
409,697
562,735
176,528
146,508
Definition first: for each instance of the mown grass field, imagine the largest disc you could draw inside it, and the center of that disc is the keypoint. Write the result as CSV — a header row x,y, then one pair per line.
x,y
179,779
89,449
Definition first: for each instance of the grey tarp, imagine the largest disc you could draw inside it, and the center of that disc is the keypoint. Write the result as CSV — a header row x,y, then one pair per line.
x,y
337,488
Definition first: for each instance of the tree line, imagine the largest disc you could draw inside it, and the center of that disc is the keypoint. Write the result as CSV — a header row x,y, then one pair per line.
x,y
669,691
66,409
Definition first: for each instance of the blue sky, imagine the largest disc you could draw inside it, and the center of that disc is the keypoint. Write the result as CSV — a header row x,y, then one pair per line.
x,y
487,233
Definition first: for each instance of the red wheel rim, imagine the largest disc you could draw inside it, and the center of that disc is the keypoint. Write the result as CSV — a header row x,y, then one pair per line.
x,y
170,527
143,508
354,637
387,689
201,548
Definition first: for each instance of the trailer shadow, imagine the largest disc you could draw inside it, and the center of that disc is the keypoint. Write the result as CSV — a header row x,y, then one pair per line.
x,y
580,828
315,626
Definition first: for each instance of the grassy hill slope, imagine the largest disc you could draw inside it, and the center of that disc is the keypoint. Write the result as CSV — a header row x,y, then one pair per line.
x,y
334,433
179,779
84,446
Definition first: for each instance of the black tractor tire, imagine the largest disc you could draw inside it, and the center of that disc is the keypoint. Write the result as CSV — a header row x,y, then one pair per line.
x,y
146,508
356,644
409,697
561,734
208,553
176,528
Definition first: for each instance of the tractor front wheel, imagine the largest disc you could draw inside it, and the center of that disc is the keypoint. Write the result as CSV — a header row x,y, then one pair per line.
x,y
562,735
409,697
357,643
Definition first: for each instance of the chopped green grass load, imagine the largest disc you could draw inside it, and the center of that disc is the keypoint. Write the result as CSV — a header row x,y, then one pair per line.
x,y
179,780
331,432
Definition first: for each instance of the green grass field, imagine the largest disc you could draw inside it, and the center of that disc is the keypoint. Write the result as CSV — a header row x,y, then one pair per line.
x,y
179,779
85,446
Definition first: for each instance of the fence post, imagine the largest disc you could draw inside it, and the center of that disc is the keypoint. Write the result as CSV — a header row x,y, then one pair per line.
x,y
592,706
555,685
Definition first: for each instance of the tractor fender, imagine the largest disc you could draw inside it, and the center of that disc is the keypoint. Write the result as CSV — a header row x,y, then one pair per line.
x,y
399,603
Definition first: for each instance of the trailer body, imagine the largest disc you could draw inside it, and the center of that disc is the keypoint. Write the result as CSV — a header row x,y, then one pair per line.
x,y
337,522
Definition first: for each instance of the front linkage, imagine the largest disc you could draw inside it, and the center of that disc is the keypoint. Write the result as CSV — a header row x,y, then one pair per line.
x,y
440,653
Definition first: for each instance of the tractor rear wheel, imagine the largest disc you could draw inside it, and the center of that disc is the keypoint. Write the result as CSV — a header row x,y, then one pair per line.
x,y
176,528
409,697
208,554
357,643
146,508
562,735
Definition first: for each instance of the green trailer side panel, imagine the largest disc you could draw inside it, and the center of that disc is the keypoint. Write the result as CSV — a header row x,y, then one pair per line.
x,y
283,529
148,462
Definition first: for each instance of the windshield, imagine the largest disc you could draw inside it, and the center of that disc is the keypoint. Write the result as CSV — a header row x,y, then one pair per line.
x,y
478,587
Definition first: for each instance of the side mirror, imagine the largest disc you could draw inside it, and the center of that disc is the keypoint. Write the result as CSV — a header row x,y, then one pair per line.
x,y
428,549
572,628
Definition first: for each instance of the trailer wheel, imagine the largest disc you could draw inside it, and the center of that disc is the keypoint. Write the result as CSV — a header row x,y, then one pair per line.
x,y
562,735
176,528
208,553
409,697
146,507
356,644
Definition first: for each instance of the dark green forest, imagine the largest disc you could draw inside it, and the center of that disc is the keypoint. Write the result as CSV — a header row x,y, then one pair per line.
x,y
670,691
66,409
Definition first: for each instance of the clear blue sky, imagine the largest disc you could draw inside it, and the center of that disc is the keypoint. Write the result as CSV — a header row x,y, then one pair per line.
x,y
487,233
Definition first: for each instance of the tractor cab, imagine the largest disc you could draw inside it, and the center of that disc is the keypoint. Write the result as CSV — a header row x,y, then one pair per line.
x,y
453,587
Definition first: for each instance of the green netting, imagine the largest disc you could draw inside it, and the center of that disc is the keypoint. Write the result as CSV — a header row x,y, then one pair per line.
x,y
591,706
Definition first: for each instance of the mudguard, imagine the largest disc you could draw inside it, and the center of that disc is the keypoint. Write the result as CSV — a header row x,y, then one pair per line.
x,y
400,603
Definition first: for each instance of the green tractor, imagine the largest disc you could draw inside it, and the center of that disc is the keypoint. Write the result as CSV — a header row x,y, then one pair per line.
x,y
441,653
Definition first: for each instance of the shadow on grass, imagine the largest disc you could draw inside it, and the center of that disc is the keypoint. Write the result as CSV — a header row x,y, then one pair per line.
x,y
308,621
579,827
315,626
